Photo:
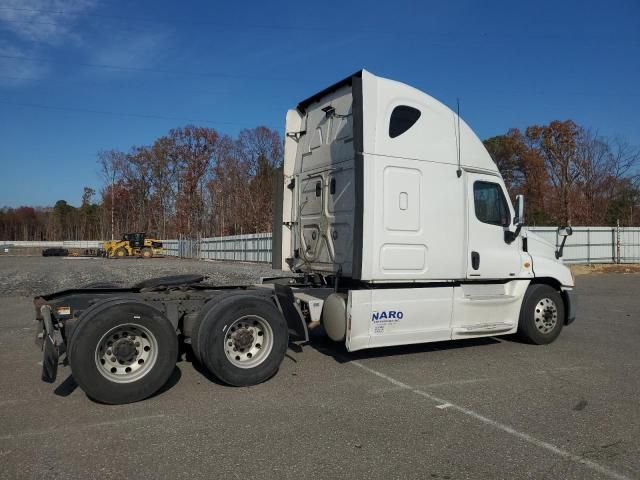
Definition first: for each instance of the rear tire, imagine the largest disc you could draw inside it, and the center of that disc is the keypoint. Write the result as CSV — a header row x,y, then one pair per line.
x,y
542,315
147,252
195,332
242,340
122,351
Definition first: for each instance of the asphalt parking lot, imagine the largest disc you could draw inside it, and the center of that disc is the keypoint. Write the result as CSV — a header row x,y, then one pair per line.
x,y
490,408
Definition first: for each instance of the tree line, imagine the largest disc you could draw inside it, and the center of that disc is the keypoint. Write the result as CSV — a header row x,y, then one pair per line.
x,y
569,175
195,181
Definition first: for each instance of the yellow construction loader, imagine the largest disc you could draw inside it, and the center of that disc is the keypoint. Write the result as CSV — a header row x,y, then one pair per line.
x,y
133,245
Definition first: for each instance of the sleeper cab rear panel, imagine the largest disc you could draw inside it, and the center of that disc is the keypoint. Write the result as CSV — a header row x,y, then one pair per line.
x,y
324,193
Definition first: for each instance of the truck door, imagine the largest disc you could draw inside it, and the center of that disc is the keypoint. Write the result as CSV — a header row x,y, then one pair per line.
x,y
489,215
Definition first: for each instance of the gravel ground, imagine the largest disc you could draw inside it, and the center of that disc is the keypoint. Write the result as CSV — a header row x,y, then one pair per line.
x,y
31,276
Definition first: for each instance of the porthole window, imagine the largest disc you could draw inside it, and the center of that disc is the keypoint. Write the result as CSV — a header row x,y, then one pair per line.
x,y
402,119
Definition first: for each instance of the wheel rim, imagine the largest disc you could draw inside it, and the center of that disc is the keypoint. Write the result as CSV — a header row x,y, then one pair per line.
x,y
248,341
546,315
126,353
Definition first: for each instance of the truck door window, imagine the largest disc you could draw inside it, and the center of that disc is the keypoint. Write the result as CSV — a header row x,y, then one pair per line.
x,y
490,205
402,119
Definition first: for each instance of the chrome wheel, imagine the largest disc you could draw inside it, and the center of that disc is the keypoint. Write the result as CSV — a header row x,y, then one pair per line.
x,y
248,341
126,353
546,315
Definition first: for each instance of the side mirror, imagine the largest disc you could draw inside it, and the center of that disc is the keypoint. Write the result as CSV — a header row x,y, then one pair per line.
x,y
564,232
518,221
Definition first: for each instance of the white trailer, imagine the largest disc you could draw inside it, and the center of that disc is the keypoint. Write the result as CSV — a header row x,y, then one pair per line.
x,y
395,227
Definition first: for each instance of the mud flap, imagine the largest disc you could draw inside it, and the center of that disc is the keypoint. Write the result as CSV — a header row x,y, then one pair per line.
x,y
50,360
569,298
297,326
50,346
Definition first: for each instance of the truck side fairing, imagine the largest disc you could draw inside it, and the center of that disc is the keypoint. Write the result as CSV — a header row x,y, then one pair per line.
x,y
401,316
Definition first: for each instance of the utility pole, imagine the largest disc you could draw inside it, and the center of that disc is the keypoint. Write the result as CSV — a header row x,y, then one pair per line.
x,y
113,182
618,240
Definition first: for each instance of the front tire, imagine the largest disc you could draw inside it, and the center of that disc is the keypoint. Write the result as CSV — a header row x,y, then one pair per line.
x,y
242,340
122,351
121,253
542,315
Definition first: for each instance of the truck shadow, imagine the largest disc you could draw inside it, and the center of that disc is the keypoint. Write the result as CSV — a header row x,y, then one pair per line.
x,y
195,364
69,385
339,353
175,377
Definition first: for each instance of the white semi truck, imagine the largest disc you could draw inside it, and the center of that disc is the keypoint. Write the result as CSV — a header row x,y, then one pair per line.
x,y
395,227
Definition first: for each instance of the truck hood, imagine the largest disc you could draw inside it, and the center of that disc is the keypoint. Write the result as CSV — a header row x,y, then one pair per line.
x,y
544,261
540,247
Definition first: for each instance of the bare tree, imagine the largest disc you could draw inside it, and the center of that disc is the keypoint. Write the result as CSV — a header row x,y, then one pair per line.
x,y
557,144
111,163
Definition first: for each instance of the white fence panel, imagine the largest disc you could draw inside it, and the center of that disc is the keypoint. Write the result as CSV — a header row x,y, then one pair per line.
x,y
253,247
586,245
171,248
50,244
596,244
630,245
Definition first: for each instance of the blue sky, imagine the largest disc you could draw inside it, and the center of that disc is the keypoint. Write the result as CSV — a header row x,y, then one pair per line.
x,y
79,76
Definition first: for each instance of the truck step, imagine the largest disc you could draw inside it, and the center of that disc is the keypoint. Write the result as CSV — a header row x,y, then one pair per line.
x,y
482,328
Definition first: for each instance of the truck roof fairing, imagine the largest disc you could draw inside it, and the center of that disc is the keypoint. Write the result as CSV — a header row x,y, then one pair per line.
x,y
435,137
